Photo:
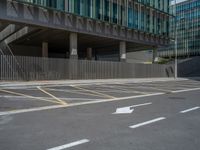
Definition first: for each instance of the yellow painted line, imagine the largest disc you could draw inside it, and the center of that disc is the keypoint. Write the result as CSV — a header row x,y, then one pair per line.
x,y
139,92
149,87
159,89
77,92
127,89
143,86
134,91
105,95
28,96
73,105
57,99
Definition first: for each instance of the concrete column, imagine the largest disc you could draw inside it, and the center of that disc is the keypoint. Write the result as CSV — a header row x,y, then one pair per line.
x,y
73,46
73,63
89,53
122,49
155,55
44,49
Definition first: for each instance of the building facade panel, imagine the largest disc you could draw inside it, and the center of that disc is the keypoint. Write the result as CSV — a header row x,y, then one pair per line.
x,y
188,29
150,16
100,25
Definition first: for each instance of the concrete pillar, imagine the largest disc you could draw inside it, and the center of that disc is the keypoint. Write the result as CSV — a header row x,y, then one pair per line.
x,y
73,63
155,55
73,46
89,53
44,49
122,49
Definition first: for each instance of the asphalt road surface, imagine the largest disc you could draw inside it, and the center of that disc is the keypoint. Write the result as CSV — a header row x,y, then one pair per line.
x,y
101,116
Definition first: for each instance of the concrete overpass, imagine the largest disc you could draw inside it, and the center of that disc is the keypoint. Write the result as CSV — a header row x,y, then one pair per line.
x,y
42,31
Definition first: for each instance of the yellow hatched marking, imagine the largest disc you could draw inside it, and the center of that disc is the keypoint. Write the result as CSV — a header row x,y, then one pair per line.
x,y
28,96
57,99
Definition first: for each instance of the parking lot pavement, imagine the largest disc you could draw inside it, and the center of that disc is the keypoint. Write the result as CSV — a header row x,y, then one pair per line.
x,y
34,96
160,122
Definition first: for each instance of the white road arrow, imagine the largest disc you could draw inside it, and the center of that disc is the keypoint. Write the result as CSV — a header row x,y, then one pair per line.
x,y
129,109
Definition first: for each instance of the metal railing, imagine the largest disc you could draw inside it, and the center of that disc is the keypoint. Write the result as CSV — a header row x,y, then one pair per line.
x,y
38,68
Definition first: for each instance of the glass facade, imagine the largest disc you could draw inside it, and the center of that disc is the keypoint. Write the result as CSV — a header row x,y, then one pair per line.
x,y
188,29
151,16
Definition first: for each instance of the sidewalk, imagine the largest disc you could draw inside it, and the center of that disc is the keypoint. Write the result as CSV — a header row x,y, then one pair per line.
x,y
96,81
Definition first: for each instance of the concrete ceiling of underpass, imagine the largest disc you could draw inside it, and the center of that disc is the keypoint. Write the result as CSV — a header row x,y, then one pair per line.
x,y
59,41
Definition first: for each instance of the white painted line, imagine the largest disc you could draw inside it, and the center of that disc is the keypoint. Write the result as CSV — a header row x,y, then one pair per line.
x,y
128,109
17,98
70,145
71,105
87,103
136,96
147,122
12,112
186,90
141,104
191,109
186,86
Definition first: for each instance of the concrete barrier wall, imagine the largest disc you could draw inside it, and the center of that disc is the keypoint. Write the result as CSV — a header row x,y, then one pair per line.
x,y
189,67
38,68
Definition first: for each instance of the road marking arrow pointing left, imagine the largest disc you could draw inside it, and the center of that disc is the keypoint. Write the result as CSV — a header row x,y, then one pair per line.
x,y
129,109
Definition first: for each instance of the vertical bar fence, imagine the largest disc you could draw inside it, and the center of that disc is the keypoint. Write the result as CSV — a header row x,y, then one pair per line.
x,y
38,68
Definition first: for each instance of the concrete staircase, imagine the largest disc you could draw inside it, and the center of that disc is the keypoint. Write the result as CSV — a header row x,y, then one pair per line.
x,y
8,34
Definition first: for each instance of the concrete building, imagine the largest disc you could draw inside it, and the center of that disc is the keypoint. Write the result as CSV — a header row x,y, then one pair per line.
x,y
84,29
188,30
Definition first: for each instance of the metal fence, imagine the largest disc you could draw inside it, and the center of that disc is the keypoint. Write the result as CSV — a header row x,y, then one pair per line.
x,y
38,68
